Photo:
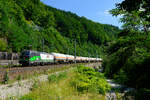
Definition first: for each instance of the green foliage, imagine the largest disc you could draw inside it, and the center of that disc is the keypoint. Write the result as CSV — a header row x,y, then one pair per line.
x,y
87,79
19,77
60,91
26,98
6,78
56,78
35,85
26,23
128,60
52,78
135,14
62,75
121,77
142,94
3,45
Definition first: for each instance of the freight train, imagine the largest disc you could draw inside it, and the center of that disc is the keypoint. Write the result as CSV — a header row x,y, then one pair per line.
x,y
30,57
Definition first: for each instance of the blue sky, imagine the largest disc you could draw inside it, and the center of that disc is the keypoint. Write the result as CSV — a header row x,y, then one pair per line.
x,y
96,10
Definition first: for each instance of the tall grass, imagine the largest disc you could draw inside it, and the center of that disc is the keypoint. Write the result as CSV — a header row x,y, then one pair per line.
x,y
58,88
57,77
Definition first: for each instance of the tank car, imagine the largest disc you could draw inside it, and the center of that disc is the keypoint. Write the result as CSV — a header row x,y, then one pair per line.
x,y
59,58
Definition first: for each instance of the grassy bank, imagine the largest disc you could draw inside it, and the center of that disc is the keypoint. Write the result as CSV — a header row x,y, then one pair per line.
x,y
70,86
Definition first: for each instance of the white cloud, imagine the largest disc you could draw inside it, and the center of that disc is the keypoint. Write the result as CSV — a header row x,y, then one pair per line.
x,y
104,13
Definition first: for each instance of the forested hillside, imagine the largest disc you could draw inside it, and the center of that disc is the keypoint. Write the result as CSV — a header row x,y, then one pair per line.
x,y
27,24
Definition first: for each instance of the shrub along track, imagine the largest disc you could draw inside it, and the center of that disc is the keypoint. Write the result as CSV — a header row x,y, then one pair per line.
x,y
14,72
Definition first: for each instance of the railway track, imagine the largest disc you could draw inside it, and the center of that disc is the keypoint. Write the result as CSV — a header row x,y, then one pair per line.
x,y
14,72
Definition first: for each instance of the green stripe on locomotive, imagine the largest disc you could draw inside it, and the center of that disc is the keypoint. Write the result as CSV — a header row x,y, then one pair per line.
x,y
35,58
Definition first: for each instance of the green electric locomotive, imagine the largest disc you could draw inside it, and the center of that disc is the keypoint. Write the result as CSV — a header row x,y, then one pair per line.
x,y
30,57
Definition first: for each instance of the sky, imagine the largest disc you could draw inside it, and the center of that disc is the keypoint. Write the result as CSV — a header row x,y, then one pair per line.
x,y
96,10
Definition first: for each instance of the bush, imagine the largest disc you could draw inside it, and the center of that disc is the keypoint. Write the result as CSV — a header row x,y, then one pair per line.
x,y
19,77
62,75
56,78
35,85
121,77
3,45
6,78
52,78
26,98
87,79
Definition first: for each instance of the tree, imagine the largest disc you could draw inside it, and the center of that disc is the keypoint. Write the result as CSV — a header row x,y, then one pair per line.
x,y
135,14
3,45
129,55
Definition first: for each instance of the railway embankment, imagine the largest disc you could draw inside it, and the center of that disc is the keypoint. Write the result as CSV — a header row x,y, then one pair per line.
x,y
20,88
23,86
16,72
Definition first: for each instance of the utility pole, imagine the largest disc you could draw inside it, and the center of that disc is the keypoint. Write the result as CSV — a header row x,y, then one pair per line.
x,y
68,51
30,47
43,45
96,54
75,51
89,55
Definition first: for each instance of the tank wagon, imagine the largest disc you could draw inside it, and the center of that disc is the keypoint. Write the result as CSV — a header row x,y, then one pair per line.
x,y
60,58
70,58
30,57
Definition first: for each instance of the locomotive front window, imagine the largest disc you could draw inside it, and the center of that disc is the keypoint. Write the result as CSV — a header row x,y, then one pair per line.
x,y
25,53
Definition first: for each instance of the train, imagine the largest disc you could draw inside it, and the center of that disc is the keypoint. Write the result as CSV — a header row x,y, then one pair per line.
x,y
30,57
